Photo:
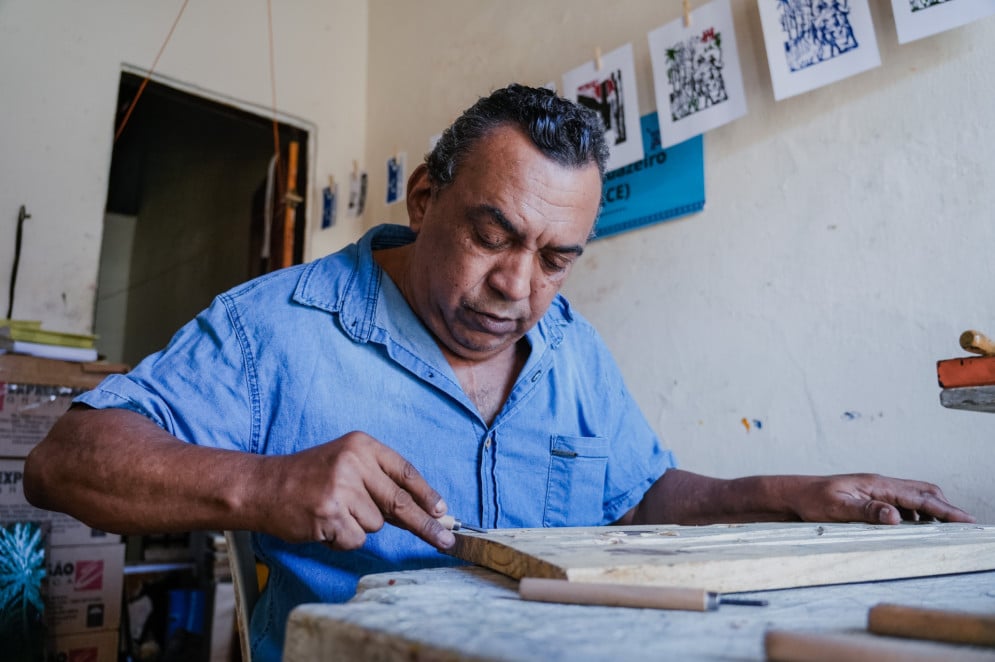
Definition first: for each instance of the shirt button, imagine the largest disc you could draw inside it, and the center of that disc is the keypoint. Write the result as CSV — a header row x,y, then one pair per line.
x,y
487,442
535,377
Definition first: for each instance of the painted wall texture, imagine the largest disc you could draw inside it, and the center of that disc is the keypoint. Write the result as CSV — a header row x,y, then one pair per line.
x,y
845,244
60,63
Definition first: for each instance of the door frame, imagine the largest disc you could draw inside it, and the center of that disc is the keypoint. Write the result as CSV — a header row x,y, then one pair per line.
x,y
309,166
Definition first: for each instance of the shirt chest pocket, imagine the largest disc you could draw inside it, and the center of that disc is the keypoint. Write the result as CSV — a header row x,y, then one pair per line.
x,y
575,490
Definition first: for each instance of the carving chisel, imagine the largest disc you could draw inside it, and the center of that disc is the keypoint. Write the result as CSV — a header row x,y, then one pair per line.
x,y
454,524
619,595
936,624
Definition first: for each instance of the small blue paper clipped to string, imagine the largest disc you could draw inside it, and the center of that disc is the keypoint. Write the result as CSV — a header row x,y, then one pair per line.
x,y
328,196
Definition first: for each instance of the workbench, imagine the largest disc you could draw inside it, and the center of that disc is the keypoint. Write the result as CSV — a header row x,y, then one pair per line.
x,y
471,613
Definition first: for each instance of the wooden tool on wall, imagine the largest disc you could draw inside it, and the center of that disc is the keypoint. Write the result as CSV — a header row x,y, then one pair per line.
x,y
291,200
977,343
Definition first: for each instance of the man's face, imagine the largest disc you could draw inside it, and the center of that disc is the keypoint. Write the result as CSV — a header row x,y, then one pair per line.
x,y
496,244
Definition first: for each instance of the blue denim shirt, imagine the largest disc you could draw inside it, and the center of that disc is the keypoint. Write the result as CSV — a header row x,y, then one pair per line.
x,y
302,356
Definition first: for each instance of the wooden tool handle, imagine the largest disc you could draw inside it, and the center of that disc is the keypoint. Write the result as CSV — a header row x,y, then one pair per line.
x,y
977,343
938,625
783,646
616,595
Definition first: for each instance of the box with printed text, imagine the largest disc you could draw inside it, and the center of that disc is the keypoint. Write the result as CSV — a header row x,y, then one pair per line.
x,y
84,585
35,392
99,646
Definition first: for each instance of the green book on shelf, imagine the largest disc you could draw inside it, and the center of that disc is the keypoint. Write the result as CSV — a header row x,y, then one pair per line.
x,y
31,331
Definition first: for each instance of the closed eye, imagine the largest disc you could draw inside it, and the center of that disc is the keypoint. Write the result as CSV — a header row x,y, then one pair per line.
x,y
555,263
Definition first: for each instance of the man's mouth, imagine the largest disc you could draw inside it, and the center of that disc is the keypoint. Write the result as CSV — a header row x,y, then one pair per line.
x,y
498,325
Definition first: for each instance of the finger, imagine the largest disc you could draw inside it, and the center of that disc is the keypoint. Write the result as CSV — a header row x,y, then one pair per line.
x,y
347,535
879,512
367,514
404,474
399,508
932,504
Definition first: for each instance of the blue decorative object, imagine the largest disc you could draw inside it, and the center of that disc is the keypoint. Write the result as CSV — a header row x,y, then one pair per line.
x,y
22,568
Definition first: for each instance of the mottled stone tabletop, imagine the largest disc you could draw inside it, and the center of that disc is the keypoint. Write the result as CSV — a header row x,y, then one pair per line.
x,y
470,613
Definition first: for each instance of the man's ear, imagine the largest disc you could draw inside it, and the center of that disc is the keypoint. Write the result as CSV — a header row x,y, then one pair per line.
x,y
418,196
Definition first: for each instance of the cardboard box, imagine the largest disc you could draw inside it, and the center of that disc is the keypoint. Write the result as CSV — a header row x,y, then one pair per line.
x,y
64,530
88,647
84,588
34,392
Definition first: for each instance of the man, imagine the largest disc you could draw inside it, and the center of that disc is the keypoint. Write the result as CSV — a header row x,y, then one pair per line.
x,y
421,371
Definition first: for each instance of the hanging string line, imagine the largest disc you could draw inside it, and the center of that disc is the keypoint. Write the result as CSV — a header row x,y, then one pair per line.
x,y
145,82
272,77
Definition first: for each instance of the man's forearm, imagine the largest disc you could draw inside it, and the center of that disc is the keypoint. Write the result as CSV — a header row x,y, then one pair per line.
x,y
682,497
118,471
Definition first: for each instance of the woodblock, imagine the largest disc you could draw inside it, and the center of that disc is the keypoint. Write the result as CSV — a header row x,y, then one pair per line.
x,y
736,557
969,371
971,398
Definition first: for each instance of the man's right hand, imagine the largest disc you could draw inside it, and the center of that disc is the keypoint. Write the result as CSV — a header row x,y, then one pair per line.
x,y
338,492
119,472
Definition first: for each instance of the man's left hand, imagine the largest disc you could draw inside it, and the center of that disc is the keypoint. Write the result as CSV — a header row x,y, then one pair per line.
x,y
872,498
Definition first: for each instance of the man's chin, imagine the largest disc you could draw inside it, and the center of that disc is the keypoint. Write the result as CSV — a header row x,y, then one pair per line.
x,y
474,348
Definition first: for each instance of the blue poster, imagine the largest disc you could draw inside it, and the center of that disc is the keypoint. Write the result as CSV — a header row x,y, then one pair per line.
x,y
663,185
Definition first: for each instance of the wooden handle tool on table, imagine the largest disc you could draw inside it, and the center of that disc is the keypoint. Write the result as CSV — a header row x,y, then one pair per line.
x,y
784,646
977,343
934,624
621,595
454,524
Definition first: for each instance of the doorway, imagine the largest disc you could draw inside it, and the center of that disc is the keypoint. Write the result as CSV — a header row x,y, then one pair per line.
x,y
185,214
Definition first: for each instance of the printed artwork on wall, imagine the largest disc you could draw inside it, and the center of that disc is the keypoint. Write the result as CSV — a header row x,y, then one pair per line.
x,y
329,204
397,178
611,91
811,43
915,19
357,193
696,73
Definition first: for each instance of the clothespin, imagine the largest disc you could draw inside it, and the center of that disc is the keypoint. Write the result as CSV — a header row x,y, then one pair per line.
x,y
687,13
331,182
355,167
597,58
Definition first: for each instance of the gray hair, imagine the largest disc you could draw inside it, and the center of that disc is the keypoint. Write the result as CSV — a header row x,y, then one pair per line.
x,y
566,132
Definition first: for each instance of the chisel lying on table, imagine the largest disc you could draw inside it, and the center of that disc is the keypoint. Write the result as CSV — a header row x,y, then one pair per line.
x,y
784,646
620,595
935,624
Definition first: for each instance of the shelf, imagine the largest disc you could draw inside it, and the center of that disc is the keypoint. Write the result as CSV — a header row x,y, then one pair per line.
x,y
153,568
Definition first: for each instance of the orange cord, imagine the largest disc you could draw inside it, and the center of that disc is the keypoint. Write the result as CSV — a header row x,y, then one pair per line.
x,y
272,76
145,82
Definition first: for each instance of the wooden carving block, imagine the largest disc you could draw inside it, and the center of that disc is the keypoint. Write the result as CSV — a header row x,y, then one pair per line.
x,y
736,557
969,371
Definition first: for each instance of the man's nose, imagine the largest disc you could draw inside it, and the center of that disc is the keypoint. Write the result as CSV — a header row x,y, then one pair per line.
x,y
512,275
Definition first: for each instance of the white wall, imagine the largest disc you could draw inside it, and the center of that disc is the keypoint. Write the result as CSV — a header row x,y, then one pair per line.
x,y
846,240
60,63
